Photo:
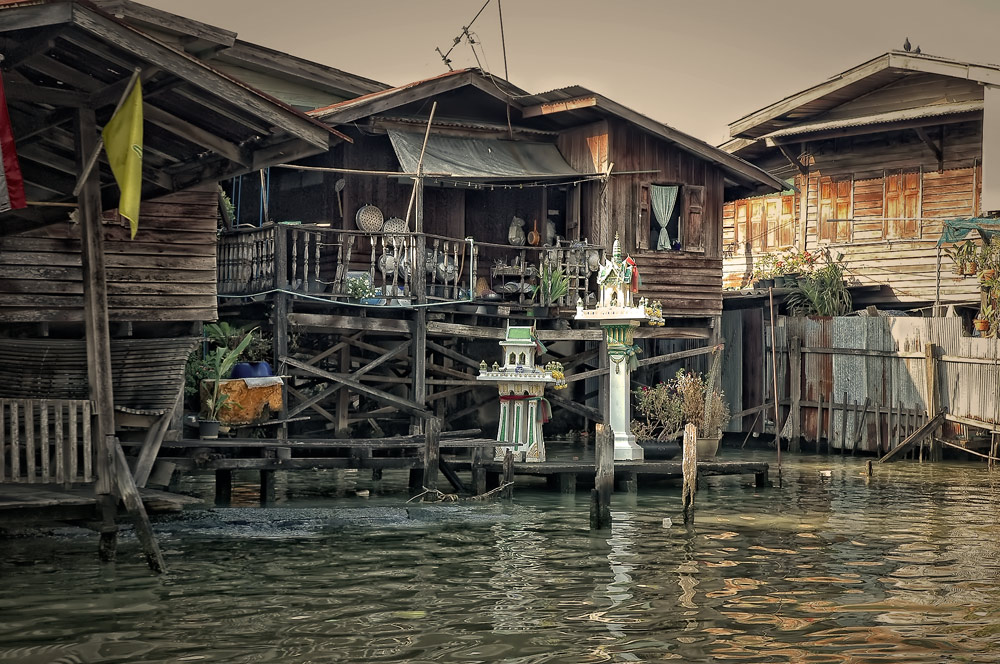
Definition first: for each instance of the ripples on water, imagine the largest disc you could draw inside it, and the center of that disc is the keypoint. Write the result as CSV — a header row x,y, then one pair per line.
x,y
838,568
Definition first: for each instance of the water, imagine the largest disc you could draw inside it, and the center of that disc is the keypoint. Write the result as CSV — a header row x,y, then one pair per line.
x,y
831,567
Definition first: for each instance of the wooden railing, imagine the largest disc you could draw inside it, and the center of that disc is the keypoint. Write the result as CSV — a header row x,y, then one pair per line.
x,y
45,441
319,261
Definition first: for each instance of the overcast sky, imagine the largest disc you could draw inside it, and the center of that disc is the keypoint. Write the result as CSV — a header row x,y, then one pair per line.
x,y
696,65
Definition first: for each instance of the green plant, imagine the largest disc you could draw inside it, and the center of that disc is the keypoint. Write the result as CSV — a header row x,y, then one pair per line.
x,y
552,285
195,371
220,361
358,287
668,406
764,267
822,293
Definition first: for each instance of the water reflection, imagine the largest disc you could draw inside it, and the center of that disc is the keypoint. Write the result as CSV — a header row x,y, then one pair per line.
x,y
832,567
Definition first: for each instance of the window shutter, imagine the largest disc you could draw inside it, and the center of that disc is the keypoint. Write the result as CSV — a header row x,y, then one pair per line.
x,y
693,230
642,231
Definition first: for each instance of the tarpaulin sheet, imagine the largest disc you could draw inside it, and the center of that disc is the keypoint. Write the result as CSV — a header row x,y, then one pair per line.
x,y
955,230
480,158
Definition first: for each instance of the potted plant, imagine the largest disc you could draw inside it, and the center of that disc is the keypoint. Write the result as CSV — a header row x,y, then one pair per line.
x,y
983,320
668,406
552,285
219,361
255,360
763,271
358,288
822,293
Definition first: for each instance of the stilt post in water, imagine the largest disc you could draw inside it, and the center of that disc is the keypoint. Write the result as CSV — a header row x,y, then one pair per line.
x,y
689,467
604,478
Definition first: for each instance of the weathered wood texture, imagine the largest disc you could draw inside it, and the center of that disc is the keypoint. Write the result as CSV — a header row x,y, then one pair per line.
x,y
886,227
45,441
167,273
146,374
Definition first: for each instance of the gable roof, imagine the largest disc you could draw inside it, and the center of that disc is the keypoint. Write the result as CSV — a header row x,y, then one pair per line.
x,y
856,81
557,109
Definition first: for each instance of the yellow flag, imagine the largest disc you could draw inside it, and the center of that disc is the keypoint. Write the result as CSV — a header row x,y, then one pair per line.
x,y
123,145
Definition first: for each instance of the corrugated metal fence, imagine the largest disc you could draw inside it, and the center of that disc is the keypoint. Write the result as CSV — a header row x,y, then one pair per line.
x,y
851,361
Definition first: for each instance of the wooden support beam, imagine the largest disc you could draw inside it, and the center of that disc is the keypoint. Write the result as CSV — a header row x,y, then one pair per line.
x,y
669,357
795,393
793,159
333,389
133,504
432,452
453,354
380,396
302,397
591,414
934,147
151,446
918,436
194,134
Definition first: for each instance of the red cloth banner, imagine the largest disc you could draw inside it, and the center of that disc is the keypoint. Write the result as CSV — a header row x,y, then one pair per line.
x,y
11,182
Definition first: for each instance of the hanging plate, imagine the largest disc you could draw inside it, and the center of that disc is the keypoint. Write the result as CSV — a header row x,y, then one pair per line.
x,y
369,219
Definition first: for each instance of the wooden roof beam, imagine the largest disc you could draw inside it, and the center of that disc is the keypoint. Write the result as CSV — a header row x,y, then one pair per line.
x,y
37,94
40,44
36,16
559,106
194,134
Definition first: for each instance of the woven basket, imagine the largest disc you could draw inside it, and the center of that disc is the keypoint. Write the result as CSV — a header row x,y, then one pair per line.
x,y
369,219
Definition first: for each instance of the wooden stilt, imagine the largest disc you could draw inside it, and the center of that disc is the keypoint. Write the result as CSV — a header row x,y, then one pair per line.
x,y
567,482
600,497
432,452
689,467
223,488
478,472
508,475
133,505
107,506
819,422
267,494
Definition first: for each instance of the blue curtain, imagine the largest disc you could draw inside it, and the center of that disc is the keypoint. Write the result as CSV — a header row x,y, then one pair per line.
x,y
663,200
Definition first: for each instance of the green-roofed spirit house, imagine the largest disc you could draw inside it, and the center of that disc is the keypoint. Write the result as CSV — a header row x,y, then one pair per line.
x,y
523,407
619,316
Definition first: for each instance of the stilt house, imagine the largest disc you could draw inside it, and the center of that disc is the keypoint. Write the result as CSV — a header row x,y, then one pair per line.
x,y
451,222
876,159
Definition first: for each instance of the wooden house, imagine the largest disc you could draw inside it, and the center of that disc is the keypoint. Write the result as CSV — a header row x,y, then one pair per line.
x,y
94,323
875,159
572,167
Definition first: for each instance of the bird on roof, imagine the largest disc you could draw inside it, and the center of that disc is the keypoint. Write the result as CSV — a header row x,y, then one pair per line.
x,y
906,44
916,50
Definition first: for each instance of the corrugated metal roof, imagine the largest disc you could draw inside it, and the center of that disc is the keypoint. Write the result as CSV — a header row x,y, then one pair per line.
x,y
880,118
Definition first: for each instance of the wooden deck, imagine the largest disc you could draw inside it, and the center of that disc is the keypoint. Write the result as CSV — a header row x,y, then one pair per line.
x,y
20,503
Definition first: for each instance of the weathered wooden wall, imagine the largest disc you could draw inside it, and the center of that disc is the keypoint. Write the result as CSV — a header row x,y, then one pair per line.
x,y
167,273
885,226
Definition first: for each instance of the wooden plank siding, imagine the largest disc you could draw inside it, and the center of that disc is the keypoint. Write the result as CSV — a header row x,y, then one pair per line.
x,y
892,226
168,273
687,282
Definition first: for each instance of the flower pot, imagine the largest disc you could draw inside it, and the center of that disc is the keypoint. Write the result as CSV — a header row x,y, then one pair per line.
x,y
208,429
987,275
653,449
779,282
971,268
981,324
766,283
707,447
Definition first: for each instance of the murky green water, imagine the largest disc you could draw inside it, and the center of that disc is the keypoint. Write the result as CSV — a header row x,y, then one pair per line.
x,y
831,567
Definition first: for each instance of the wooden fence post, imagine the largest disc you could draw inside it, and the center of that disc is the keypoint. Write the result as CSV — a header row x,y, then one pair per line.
x,y
933,405
600,497
795,392
689,466
508,475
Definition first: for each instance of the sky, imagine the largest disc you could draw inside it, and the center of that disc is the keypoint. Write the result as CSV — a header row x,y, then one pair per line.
x,y
696,65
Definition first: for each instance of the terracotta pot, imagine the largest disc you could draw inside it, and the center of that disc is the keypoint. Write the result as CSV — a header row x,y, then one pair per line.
x,y
971,268
981,324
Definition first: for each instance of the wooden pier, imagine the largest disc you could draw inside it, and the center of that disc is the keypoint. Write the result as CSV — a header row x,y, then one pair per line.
x,y
24,504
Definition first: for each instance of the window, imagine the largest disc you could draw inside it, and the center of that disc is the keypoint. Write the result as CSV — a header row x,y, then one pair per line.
x,y
902,204
835,209
671,216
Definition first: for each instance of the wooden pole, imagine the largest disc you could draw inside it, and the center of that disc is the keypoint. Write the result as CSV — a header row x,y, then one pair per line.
x,y
843,425
432,453
819,421
930,365
223,487
478,471
774,377
689,467
98,335
133,504
604,478
507,480
795,385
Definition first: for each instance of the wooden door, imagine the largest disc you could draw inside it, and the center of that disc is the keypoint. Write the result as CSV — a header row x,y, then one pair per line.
x,y
741,221
826,231
842,209
694,218
758,225
786,235
902,205
773,210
